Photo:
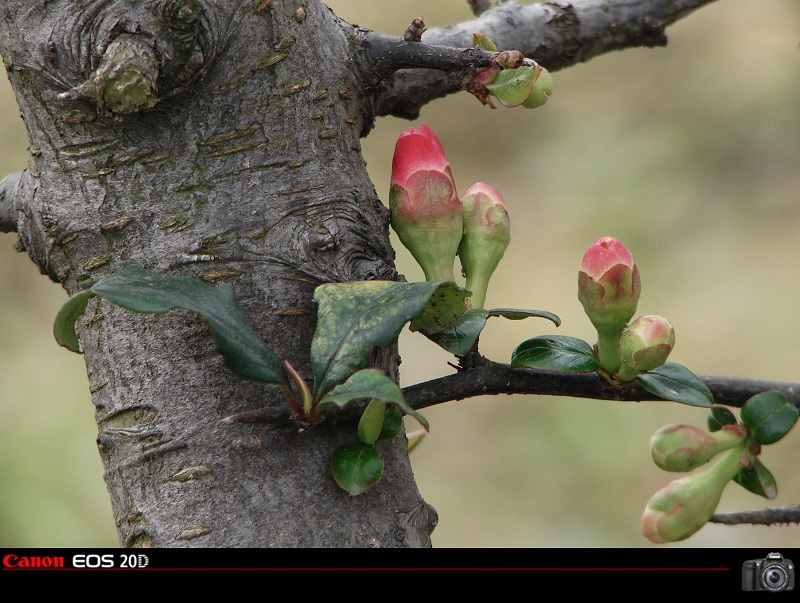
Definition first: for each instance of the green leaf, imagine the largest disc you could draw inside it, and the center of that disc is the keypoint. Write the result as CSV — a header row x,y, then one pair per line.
x,y
371,422
64,325
556,353
757,479
769,416
356,467
719,417
355,317
137,289
675,382
513,86
370,383
391,423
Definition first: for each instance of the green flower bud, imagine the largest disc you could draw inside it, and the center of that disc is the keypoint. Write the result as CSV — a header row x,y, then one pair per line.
x,y
487,233
542,90
644,346
686,447
684,506
425,209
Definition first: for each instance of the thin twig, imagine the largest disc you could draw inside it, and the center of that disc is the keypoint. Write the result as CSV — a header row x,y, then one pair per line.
x,y
761,517
495,378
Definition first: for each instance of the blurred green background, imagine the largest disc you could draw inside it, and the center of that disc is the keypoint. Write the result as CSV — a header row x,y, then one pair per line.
x,y
690,155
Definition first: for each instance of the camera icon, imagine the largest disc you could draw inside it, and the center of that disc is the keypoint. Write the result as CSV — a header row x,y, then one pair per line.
x,y
773,573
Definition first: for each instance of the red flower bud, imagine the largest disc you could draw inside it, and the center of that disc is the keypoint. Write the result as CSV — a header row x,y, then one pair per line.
x,y
425,208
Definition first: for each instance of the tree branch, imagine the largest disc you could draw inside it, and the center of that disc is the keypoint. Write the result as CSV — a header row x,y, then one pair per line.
x,y
388,54
495,378
479,6
763,517
555,34
8,202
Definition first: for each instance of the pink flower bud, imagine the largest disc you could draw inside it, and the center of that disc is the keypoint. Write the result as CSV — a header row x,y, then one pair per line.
x,y
487,233
686,447
608,283
645,345
425,208
608,288
684,506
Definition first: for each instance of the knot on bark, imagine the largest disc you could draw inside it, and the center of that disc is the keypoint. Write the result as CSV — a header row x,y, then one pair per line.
x,y
152,53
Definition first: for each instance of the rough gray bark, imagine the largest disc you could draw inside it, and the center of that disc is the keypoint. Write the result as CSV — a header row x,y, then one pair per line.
x,y
252,178
217,139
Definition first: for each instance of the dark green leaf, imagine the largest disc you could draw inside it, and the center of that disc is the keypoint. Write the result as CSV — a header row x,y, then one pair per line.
x,y
757,479
356,467
391,423
64,325
134,288
769,416
371,422
459,337
370,383
513,86
675,382
355,317
556,353
720,416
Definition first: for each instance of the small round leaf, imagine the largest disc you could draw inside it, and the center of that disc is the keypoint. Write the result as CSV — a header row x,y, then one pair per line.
x,y
356,467
769,416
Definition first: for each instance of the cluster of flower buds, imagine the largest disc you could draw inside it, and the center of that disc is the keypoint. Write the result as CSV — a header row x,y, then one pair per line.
x,y
513,79
683,506
609,287
435,224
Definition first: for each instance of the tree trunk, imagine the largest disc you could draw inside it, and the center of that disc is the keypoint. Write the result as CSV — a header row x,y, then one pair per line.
x,y
247,171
